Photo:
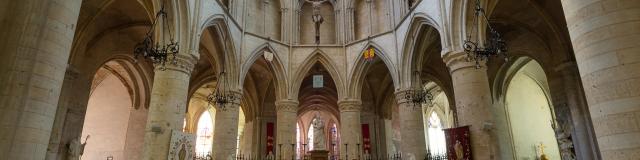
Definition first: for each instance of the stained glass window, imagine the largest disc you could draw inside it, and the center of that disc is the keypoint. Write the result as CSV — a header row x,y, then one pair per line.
x,y
204,140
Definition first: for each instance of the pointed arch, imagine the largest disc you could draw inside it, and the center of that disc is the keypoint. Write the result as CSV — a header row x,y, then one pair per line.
x,y
139,78
277,69
219,29
420,24
316,57
510,69
361,66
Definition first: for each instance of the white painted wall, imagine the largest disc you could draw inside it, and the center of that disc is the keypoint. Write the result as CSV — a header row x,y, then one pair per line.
x,y
530,118
107,120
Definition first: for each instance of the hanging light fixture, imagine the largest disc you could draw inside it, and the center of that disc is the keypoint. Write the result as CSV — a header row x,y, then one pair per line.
x,y
418,95
160,51
495,45
222,96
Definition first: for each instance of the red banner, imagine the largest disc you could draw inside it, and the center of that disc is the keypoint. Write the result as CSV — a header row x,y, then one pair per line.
x,y
366,139
458,142
270,138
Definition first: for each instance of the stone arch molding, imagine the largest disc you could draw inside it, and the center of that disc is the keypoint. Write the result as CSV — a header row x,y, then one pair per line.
x,y
419,21
134,76
507,72
320,57
220,26
358,72
277,68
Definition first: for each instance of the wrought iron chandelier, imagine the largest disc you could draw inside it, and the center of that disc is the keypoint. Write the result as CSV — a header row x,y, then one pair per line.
x,y
222,96
418,95
160,51
494,46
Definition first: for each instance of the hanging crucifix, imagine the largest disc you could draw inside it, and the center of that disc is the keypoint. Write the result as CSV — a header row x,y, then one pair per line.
x,y
316,17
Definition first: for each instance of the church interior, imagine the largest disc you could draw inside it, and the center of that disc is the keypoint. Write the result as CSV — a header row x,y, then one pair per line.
x,y
320,79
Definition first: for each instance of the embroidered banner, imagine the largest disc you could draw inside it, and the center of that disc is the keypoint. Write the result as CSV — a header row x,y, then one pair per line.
x,y
270,138
366,139
458,143
182,146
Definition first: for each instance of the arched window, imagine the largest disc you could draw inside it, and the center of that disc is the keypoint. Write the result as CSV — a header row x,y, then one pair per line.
x,y
241,122
334,139
437,142
204,140
310,136
298,144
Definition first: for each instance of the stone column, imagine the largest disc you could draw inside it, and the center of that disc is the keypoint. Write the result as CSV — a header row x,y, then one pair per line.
x,y
350,127
605,36
167,106
36,41
412,135
286,126
71,111
472,100
225,132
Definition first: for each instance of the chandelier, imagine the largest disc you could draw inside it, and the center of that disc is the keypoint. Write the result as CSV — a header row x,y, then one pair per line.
x,y
418,95
222,96
158,52
495,45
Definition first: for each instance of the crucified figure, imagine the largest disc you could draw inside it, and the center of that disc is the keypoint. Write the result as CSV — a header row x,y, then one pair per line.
x,y
316,17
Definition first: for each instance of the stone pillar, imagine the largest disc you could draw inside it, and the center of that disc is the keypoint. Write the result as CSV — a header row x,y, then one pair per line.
x,y
412,135
350,127
605,37
70,114
225,132
167,106
36,41
286,127
473,100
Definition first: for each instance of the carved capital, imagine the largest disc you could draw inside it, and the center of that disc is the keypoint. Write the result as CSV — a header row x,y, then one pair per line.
x,y
457,60
183,63
234,103
350,105
402,96
287,106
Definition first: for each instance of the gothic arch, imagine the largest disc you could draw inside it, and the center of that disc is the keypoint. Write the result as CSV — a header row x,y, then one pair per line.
x,y
135,76
510,69
277,69
316,57
358,72
219,27
420,23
